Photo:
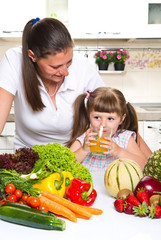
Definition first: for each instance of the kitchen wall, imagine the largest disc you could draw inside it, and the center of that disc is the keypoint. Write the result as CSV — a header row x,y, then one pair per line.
x,y
141,80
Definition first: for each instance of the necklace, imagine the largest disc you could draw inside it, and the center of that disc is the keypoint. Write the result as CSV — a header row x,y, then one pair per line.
x,y
47,89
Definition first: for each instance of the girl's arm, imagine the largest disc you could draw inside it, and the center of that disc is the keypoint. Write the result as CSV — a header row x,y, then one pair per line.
x,y
6,100
143,147
132,152
79,151
82,151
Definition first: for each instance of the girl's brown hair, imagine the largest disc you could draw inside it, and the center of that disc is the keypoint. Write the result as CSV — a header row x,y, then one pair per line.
x,y
46,37
103,99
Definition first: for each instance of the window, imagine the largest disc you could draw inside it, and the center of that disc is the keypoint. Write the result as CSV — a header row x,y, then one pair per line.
x,y
154,13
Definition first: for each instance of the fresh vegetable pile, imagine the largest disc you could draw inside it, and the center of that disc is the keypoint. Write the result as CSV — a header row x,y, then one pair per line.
x,y
144,201
15,189
34,182
20,208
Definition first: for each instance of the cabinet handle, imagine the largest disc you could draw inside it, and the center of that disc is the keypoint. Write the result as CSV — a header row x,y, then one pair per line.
x,y
5,135
153,127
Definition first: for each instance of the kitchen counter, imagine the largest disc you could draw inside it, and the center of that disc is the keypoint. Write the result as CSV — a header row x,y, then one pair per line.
x,y
148,111
110,225
11,115
145,112
144,115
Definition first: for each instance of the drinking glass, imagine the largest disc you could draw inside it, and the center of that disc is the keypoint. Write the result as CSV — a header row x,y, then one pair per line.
x,y
97,149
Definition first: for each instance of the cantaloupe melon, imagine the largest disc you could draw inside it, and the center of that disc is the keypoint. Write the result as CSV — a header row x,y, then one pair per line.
x,y
120,174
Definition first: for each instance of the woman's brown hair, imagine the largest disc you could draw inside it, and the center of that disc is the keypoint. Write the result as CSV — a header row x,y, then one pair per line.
x,y
46,37
103,99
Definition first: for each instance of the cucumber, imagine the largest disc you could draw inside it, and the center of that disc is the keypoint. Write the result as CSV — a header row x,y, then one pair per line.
x,y
31,217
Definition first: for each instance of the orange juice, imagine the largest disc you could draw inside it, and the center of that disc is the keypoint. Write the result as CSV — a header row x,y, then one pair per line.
x,y
96,149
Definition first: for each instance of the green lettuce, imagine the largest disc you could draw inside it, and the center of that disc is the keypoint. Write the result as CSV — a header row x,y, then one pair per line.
x,y
54,157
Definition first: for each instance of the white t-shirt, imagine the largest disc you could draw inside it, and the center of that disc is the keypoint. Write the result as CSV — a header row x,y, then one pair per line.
x,y
49,125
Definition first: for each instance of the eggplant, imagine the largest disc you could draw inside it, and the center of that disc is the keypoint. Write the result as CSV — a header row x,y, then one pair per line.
x,y
150,184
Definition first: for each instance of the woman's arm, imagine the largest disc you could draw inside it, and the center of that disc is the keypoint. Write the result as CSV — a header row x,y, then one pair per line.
x,y
143,147
6,100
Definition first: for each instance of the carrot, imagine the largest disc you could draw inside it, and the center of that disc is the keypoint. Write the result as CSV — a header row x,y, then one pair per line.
x,y
94,211
81,216
72,206
56,208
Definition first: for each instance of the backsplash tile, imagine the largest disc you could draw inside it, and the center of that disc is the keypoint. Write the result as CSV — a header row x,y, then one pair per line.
x,y
145,59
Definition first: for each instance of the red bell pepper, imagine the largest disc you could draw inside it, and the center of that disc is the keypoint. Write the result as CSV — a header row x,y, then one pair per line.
x,y
81,192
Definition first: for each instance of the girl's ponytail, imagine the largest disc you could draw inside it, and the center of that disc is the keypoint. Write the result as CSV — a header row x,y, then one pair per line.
x,y
131,120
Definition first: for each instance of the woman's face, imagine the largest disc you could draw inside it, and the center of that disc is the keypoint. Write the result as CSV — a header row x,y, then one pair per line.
x,y
107,120
55,67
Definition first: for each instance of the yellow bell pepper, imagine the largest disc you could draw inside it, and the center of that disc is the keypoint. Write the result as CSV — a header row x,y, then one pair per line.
x,y
67,178
56,183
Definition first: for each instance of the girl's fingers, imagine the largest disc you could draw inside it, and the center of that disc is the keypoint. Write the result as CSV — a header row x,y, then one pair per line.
x,y
92,144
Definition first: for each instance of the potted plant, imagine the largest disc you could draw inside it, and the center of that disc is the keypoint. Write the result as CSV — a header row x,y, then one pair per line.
x,y
119,59
103,58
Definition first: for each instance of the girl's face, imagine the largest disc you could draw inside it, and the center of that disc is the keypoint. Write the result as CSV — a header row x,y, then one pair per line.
x,y
107,120
54,67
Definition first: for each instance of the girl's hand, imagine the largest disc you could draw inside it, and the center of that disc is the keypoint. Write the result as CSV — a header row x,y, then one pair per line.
x,y
112,147
89,136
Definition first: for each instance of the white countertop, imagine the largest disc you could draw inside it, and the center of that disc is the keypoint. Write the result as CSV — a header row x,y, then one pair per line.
x,y
143,114
110,225
148,111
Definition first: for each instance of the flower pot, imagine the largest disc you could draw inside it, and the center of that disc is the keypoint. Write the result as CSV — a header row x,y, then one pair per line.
x,y
103,66
119,66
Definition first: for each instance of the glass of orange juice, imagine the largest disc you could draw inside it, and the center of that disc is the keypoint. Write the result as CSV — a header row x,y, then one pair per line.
x,y
96,149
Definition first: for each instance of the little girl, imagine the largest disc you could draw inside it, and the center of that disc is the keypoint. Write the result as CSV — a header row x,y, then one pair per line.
x,y
108,108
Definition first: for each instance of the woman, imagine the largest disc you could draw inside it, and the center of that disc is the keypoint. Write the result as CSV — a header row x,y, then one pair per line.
x,y
43,79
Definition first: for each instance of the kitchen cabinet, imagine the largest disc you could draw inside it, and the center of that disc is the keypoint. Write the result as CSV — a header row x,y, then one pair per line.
x,y
149,130
7,138
58,8
90,19
152,135
111,19
15,14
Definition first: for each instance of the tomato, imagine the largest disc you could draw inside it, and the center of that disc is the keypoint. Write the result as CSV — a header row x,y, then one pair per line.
x,y
12,198
28,200
34,202
18,193
2,201
43,207
10,188
24,197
